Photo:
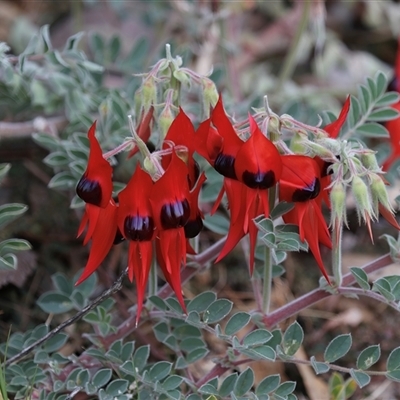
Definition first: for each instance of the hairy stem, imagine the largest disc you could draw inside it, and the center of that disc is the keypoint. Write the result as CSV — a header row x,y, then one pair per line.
x,y
337,255
317,295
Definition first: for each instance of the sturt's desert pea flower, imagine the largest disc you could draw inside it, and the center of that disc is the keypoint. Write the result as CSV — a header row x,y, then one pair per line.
x,y
95,188
169,200
306,195
136,224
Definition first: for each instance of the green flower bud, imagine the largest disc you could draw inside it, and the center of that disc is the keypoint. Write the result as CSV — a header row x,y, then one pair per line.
x,y
210,95
274,128
151,168
379,193
182,77
368,160
338,205
148,93
297,144
319,150
165,120
332,145
362,197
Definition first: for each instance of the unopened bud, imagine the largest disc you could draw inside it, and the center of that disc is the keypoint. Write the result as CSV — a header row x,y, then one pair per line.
x,y
363,199
338,205
150,166
274,128
210,95
182,77
148,93
165,120
297,144
332,145
369,161
379,193
319,150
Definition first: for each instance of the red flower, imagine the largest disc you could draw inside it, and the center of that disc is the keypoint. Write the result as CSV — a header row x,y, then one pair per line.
x,y
256,164
171,210
95,188
135,222
307,215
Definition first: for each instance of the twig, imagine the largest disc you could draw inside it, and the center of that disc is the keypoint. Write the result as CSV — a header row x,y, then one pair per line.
x,y
317,295
109,292
25,129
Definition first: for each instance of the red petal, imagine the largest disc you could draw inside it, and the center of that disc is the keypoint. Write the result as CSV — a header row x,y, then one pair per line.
x,y
388,216
393,127
334,127
300,180
102,239
134,202
99,170
171,188
258,163
143,129
171,255
140,255
232,142
208,141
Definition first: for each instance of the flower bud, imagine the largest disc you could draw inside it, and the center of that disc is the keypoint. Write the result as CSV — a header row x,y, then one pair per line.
x,y
319,150
338,205
165,120
379,193
148,93
182,77
210,95
332,145
362,197
274,128
297,144
368,160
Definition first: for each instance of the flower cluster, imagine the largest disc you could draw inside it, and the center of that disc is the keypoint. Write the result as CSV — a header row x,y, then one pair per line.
x,y
158,209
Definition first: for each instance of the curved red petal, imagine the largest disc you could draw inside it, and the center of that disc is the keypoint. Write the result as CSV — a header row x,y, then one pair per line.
x,y
300,179
140,255
334,127
171,188
258,163
208,142
171,255
98,169
231,141
134,199
102,239
393,127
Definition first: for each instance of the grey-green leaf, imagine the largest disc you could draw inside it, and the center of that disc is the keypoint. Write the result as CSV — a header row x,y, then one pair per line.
x,y
201,302
244,382
217,311
257,337
292,339
368,357
338,348
268,384
362,379
361,277
393,361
